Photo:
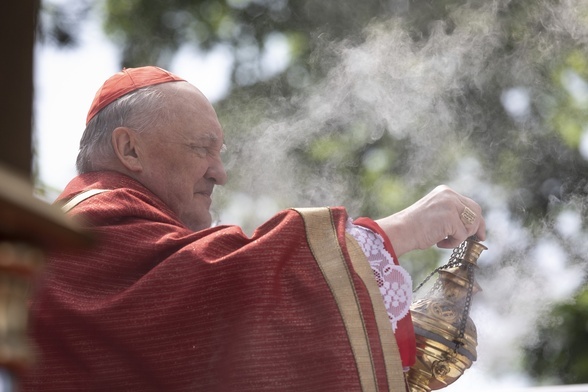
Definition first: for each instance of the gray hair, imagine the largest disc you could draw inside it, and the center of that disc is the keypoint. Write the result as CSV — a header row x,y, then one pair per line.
x,y
140,110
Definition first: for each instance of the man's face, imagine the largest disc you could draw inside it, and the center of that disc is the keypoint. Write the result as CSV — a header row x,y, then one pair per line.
x,y
181,158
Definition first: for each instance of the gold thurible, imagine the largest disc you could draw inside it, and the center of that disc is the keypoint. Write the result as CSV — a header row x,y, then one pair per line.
x,y
446,336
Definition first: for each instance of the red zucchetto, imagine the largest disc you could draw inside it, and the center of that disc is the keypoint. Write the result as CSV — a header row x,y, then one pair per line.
x,y
126,81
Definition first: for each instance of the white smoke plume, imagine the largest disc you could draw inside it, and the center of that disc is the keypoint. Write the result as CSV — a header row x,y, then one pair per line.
x,y
413,91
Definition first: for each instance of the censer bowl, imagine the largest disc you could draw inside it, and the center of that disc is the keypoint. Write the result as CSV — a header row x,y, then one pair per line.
x,y
439,363
446,337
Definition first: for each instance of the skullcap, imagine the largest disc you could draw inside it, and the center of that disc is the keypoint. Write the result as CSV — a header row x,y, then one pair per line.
x,y
126,81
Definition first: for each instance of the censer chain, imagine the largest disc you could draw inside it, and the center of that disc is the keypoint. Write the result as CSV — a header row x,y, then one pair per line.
x,y
454,261
459,342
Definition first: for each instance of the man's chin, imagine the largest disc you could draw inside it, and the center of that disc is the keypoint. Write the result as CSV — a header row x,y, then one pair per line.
x,y
199,223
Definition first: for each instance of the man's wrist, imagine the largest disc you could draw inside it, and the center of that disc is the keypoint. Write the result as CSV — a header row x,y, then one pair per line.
x,y
401,238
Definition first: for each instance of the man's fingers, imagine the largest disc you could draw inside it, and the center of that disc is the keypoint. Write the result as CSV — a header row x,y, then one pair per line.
x,y
466,223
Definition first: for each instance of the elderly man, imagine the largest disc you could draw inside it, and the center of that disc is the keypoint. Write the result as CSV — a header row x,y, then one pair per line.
x,y
312,301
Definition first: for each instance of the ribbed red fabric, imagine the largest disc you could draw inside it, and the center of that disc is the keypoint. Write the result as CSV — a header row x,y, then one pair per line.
x,y
155,306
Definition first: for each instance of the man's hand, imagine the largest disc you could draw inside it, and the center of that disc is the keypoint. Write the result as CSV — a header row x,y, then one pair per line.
x,y
443,217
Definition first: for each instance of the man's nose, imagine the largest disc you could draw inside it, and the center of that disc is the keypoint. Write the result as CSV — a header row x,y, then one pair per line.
x,y
216,172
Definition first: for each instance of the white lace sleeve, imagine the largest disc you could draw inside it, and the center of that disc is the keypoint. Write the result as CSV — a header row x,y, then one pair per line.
x,y
394,281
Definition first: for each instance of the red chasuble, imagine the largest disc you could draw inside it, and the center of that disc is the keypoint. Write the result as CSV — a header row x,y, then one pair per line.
x,y
155,306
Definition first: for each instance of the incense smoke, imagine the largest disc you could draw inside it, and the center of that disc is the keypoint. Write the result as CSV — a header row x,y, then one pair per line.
x,y
414,91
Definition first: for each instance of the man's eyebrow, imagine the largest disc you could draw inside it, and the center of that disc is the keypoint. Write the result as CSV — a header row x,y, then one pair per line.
x,y
209,136
208,139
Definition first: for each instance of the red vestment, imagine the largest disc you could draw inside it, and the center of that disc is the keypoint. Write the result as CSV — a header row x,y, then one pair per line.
x,y
157,306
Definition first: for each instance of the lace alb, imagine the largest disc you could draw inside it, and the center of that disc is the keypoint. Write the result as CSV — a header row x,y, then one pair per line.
x,y
394,281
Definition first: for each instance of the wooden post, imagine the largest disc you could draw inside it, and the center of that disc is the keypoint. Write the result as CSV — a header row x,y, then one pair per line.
x,y
17,32
28,226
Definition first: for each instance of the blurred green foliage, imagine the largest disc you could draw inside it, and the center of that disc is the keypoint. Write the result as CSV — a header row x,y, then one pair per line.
x,y
561,351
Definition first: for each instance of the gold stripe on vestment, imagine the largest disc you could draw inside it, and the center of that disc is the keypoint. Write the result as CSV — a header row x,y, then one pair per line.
x,y
80,197
322,239
394,371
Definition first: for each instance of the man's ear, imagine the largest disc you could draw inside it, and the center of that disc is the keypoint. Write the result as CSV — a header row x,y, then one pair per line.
x,y
124,143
